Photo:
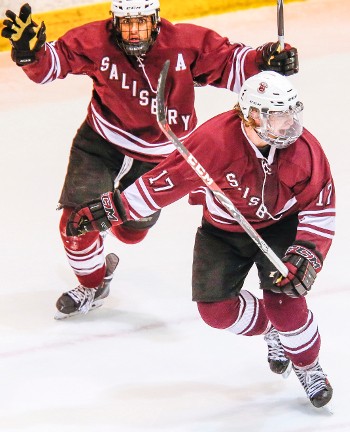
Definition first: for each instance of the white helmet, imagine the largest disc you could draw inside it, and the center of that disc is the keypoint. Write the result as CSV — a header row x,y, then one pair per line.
x,y
275,98
123,8
134,9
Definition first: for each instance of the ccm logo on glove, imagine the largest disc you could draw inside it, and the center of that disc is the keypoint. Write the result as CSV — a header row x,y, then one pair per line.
x,y
108,206
306,253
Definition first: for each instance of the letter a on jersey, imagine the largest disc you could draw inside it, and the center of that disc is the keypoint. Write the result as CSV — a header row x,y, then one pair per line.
x,y
180,65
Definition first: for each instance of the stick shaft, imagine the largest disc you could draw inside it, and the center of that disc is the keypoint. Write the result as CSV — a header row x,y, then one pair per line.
x,y
280,23
207,180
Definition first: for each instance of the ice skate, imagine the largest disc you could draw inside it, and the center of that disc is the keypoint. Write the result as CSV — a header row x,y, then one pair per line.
x,y
276,357
81,300
315,383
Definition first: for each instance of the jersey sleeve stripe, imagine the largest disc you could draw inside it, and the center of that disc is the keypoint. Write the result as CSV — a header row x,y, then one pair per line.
x,y
55,69
140,203
314,231
308,212
319,222
147,195
237,76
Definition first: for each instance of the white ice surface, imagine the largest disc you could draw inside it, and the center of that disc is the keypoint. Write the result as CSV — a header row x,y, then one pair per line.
x,y
145,362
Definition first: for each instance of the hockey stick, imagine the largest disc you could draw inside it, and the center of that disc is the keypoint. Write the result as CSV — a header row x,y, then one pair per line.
x,y
207,180
280,24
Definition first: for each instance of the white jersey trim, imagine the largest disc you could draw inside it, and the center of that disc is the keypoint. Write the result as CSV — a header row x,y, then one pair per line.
x,y
237,70
314,231
55,69
131,142
137,202
324,222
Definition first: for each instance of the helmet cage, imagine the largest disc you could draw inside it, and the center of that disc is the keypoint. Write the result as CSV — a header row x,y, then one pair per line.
x,y
122,9
141,47
281,128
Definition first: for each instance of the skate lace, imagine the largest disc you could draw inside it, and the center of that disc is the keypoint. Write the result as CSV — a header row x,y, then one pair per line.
x,y
84,297
274,346
313,380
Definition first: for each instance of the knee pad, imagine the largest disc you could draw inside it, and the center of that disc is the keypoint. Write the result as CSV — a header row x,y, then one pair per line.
x,y
75,242
285,313
221,314
242,315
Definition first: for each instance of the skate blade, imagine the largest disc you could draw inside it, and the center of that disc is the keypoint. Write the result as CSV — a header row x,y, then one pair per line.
x,y
287,372
329,409
59,316
112,261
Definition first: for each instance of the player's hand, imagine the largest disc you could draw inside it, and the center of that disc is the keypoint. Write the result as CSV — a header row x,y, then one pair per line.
x,y
270,57
25,36
303,262
97,215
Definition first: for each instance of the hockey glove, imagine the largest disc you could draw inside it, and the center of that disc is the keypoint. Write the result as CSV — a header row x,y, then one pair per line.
x,y
269,57
97,215
303,262
25,36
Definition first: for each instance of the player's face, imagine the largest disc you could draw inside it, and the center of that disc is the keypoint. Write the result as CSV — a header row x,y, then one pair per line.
x,y
136,29
278,128
279,123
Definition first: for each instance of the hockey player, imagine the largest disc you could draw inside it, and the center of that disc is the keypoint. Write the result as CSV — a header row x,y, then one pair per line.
x,y
277,175
120,139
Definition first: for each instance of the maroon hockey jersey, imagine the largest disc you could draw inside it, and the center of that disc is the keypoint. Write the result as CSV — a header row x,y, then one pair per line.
x,y
122,107
293,180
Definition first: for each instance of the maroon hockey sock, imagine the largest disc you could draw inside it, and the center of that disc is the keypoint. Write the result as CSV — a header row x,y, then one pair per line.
x,y
296,326
84,253
242,315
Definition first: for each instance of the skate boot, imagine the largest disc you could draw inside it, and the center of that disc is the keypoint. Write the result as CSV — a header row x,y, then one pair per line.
x,y
276,357
81,300
315,383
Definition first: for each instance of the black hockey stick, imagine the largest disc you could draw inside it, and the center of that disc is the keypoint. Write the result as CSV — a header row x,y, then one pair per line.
x,y
207,180
280,24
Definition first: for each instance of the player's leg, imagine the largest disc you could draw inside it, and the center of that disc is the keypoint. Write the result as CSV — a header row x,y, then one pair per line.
x,y
93,271
299,335
220,265
95,166
291,317
89,174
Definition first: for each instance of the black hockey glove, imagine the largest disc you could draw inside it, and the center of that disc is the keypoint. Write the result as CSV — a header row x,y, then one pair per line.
x,y
97,215
303,262
269,57
25,36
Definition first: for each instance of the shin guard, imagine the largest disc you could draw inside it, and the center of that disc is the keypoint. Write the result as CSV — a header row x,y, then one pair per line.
x,y
243,315
85,254
296,326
